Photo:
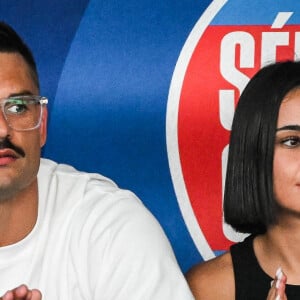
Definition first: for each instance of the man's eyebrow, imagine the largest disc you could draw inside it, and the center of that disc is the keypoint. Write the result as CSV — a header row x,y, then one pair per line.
x,y
21,93
289,127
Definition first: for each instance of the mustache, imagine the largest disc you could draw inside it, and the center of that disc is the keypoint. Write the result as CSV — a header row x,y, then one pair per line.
x,y
7,144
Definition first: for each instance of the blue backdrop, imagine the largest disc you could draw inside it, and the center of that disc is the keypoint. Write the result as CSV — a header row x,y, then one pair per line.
x,y
106,67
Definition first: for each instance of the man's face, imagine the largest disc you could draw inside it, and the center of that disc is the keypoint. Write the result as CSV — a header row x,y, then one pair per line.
x,y
18,169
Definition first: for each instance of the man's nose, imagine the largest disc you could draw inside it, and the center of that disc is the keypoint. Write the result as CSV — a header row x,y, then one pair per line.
x,y
4,128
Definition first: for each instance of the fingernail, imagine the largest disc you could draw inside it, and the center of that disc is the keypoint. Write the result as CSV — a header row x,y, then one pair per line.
x,y
279,273
277,284
271,283
278,297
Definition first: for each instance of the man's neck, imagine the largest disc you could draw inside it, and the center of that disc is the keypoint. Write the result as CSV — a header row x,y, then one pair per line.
x,y
18,215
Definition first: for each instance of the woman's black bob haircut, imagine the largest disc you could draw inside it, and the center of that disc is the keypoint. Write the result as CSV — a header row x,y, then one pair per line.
x,y
11,42
249,204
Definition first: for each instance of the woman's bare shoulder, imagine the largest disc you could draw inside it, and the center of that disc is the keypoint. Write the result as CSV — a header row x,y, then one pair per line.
x,y
213,279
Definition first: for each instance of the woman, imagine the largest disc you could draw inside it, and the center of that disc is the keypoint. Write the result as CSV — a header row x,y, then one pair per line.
x,y
262,194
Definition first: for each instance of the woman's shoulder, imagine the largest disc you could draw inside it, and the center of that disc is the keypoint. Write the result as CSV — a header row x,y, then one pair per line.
x,y
213,279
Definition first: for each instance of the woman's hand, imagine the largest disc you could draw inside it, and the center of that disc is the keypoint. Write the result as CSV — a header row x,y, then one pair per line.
x,y
22,293
277,290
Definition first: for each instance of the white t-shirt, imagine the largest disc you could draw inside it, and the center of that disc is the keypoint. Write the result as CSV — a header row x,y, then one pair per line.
x,y
91,241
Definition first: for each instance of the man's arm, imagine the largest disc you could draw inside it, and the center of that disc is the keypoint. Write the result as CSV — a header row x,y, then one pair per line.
x,y
129,256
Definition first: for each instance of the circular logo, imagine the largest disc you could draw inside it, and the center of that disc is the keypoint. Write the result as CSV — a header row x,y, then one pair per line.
x,y
228,44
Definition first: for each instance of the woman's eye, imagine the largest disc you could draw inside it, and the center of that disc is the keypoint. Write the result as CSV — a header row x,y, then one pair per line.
x,y
291,141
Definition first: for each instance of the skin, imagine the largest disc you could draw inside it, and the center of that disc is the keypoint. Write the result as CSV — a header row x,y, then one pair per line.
x,y
214,279
280,245
18,173
22,293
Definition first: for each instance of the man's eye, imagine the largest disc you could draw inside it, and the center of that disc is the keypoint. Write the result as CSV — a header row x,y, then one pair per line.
x,y
16,108
291,142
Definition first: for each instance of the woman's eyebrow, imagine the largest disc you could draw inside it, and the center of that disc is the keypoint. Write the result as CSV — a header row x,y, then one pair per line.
x,y
289,127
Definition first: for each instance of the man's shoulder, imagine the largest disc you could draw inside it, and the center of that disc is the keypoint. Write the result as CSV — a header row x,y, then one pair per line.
x,y
68,175
48,166
82,190
78,188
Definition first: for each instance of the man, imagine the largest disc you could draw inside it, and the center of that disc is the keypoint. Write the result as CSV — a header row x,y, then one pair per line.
x,y
67,234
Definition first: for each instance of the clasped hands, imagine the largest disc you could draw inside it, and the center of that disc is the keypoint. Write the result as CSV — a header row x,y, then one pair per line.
x,y
277,290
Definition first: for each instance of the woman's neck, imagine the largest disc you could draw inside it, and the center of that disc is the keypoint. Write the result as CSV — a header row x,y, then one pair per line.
x,y
280,247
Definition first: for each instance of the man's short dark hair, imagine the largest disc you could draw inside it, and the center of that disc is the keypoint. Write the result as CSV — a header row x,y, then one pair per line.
x,y
249,204
11,42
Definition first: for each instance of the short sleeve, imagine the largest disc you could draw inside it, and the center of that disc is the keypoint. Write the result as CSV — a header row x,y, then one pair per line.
x,y
121,252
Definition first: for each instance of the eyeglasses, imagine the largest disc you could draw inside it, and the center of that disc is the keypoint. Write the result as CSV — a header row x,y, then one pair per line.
x,y
24,112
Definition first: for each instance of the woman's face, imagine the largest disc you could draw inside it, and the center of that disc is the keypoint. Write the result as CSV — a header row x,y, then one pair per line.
x,y
286,164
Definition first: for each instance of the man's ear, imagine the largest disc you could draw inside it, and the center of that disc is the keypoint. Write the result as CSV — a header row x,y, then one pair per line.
x,y
43,127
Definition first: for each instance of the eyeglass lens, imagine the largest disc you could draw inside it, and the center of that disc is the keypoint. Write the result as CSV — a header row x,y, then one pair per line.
x,y
22,114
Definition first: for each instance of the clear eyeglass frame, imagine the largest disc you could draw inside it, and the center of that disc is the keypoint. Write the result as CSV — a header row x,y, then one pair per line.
x,y
24,112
